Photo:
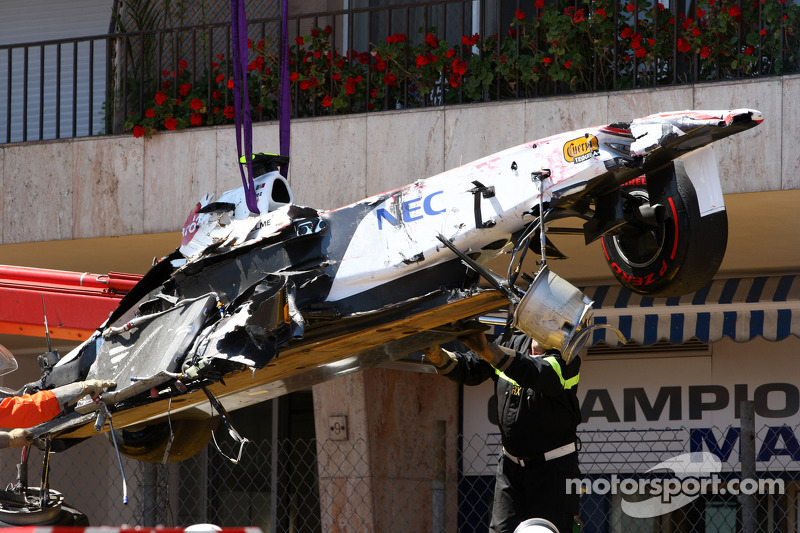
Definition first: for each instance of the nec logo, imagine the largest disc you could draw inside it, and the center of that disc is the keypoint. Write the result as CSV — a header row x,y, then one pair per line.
x,y
409,211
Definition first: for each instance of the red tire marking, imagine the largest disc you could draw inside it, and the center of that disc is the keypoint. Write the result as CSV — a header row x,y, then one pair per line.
x,y
675,218
603,242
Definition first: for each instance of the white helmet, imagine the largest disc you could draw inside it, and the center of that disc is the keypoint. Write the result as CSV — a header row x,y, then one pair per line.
x,y
202,528
536,525
7,362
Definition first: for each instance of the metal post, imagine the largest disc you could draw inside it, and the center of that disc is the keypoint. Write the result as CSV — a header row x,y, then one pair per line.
x,y
273,478
748,451
439,475
149,497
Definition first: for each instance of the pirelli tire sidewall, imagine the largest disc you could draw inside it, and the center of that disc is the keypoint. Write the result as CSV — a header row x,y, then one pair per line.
x,y
693,246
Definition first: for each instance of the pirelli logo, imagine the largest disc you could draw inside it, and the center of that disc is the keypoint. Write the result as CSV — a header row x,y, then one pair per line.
x,y
580,149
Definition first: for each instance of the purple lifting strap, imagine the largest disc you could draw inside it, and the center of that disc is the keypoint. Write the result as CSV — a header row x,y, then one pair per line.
x,y
285,104
241,102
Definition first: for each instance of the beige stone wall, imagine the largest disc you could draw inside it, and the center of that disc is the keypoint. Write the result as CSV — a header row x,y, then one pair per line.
x,y
119,185
391,416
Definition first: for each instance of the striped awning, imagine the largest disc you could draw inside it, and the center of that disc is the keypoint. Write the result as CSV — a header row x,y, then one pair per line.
x,y
739,308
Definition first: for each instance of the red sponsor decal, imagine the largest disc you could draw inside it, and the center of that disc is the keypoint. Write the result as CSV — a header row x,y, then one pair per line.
x,y
636,181
190,227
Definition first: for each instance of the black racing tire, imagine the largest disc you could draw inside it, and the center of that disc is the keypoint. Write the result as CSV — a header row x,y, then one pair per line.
x,y
149,443
677,257
68,516
15,513
71,517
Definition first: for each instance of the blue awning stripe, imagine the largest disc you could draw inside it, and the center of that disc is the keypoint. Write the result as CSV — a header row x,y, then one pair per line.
x,y
676,321
784,286
738,308
756,323
755,290
784,323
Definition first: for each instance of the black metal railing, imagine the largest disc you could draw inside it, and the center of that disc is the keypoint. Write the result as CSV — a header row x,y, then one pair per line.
x,y
390,57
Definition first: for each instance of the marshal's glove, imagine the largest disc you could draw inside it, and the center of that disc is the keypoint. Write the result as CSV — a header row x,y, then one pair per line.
x,y
15,438
70,394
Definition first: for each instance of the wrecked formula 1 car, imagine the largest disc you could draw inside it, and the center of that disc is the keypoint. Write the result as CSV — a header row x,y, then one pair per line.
x,y
250,307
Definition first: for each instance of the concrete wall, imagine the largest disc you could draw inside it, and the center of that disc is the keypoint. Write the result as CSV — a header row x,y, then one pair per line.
x,y
119,185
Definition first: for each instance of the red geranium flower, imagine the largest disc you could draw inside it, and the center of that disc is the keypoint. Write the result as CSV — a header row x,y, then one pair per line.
x,y
138,131
602,12
470,41
734,11
567,64
304,85
220,77
539,4
170,123
327,101
519,14
196,119
149,113
229,111
431,40
630,8
626,33
293,77
196,104
705,52
299,41
390,80
230,84
161,97
185,89
683,45
183,64
547,60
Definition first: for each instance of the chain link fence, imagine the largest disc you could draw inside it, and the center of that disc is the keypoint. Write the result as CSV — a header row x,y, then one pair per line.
x,y
632,482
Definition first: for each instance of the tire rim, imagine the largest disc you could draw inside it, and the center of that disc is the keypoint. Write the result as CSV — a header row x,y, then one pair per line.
x,y
642,250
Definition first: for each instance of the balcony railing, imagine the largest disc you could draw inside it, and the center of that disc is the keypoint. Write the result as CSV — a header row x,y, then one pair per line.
x,y
371,59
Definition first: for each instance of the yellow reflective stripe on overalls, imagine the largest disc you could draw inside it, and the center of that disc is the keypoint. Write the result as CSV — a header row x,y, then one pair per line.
x,y
499,373
568,383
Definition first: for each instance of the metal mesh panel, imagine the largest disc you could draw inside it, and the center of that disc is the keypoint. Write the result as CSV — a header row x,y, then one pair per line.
x,y
320,486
